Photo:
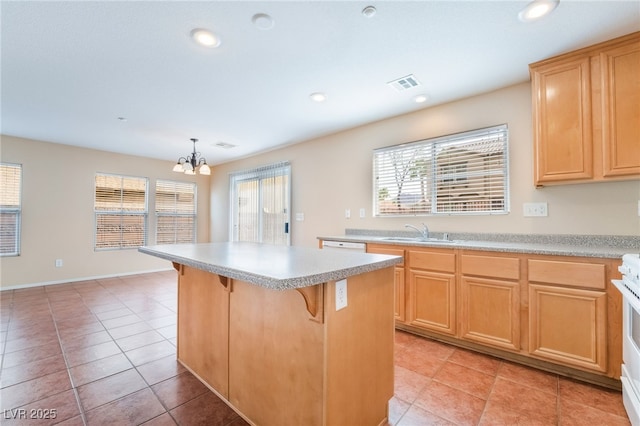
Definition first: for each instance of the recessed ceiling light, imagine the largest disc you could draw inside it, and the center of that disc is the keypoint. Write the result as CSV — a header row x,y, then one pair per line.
x,y
318,97
421,98
122,118
205,38
262,21
369,11
537,9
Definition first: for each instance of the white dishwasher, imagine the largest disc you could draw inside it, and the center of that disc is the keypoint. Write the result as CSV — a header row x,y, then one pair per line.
x,y
344,245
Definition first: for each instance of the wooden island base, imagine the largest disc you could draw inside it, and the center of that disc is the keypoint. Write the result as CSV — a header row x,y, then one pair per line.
x,y
288,357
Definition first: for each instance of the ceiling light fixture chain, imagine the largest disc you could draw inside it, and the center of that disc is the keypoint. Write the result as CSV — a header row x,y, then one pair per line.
x,y
192,162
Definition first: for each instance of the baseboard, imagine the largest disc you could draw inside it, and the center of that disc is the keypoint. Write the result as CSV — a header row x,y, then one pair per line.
x,y
74,280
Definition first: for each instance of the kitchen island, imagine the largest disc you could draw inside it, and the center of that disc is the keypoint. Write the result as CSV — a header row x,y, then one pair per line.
x,y
266,328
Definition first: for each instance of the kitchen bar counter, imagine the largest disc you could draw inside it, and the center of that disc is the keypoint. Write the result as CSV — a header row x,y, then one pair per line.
x,y
274,267
286,335
612,247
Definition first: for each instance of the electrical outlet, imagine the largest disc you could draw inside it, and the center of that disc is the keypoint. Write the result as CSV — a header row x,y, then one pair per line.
x,y
300,217
535,209
638,207
58,263
341,294
362,213
347,213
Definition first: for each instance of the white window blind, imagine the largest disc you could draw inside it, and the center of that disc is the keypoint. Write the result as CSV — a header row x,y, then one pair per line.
x,y
121,211
175,212
10,208
464,173
260,204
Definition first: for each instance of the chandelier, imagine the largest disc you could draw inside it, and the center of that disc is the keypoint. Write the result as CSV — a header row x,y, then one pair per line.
x,y
192,162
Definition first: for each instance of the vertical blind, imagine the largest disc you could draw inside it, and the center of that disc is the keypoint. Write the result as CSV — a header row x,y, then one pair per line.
x,y
121,211
260,201
464,173
10,208
175,212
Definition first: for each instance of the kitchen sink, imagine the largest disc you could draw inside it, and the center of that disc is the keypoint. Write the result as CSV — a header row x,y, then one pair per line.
x,y
419,240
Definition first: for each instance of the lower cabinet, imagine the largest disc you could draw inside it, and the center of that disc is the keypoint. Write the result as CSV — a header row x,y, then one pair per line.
x,y
560,310
432,290
569,326
490,300
433,301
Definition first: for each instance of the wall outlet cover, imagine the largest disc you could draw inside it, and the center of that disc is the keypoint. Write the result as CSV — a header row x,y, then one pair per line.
x,y
341,294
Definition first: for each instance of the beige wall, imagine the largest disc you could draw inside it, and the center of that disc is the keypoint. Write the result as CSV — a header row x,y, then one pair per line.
x,y
58,218
333,173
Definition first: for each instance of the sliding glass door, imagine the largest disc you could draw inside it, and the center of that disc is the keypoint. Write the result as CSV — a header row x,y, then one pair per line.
x,y
260,205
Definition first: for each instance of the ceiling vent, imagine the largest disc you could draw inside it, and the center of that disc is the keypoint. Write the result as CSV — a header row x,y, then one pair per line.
x,y
404,83
225,145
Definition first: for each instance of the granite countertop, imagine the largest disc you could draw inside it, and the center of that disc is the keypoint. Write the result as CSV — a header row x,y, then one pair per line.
x,y
274,267
602,246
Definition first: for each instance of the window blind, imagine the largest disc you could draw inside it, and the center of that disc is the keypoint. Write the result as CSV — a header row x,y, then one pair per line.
x,y
175,212
10,208
121,211
464,173
260,204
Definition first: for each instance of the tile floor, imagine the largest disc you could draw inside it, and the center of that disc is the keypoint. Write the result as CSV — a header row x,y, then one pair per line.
x,y
102,352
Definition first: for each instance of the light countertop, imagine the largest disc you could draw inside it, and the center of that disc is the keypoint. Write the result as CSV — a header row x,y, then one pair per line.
x,y
612,247
270,266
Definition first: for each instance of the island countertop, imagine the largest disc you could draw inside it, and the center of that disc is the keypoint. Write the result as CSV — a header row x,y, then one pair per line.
x,y
270,266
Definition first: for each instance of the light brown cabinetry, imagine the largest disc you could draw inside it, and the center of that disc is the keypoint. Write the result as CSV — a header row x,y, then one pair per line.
x,y
586,114
568,313
432,290
490,300
556,312
399,281
290,357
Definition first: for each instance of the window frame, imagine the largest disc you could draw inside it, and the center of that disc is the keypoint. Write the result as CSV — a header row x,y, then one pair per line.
x,y
193,215
446,166
280,169
120,212
14,210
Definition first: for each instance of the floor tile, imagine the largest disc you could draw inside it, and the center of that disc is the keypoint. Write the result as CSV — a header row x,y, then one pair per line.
x,y
162,420
207,409
450,404
139,340
89,372
48,411
110,388
34,390
133,409
30,355
477,361
86,340
537,379
465,379
161,369
129,330
575,414
79,356
31,370
408,384
524,400
150,352
418,360
179,389
603,399
121,321
416,416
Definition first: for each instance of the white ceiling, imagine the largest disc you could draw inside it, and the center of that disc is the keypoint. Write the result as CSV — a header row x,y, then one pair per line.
x,y
70,69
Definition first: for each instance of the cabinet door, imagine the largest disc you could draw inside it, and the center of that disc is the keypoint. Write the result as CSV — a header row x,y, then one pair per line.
x,y
400,299
568,326
562,121
620,69
490,312
203,316
432,297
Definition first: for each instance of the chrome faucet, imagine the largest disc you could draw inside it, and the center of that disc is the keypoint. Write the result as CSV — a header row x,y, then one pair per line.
x,y
424,232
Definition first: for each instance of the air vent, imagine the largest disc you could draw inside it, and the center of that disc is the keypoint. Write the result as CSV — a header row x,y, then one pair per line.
x,y
225,145
404,83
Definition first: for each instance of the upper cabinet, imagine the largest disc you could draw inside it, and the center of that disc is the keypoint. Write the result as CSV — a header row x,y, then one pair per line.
x,y
586,114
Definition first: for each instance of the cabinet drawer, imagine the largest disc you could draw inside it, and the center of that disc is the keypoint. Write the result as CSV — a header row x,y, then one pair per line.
x,y
432,261
587,275
491,266
393,251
